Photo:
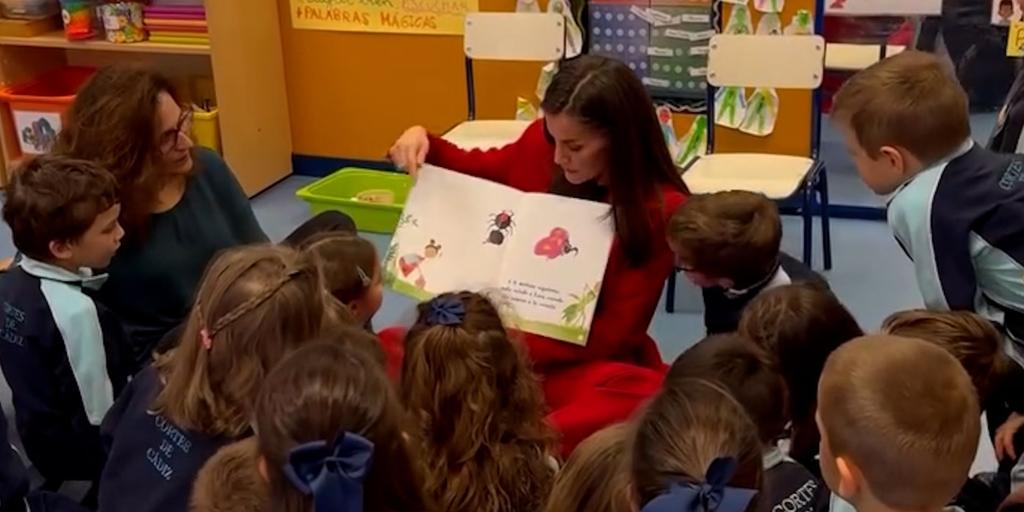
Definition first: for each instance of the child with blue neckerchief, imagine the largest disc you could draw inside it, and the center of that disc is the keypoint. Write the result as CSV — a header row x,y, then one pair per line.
x,y
65,356
696,450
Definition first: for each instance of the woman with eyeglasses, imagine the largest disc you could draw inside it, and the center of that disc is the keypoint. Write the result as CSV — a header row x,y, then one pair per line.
x,y
180,204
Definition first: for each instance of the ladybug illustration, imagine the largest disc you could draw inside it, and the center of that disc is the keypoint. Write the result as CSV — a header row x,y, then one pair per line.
x,y
500,226
554,245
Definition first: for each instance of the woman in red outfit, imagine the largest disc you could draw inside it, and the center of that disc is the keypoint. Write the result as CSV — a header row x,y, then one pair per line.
x,y
599,140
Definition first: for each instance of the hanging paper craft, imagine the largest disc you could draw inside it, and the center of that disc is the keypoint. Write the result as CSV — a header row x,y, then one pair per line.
x,y
525,111
762,111
800,25
769,5
527,6
667,130
770,25
573,34
695,143
730,106
739,22
544,80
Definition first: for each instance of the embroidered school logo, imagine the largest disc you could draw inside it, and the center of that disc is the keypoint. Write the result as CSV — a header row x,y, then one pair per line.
x,y
1013,175
10,330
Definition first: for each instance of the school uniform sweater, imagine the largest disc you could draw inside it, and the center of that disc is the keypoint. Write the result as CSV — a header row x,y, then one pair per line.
x,y
789,487
629,294
586,388
14,484
151,462
960,223
723,307
154,276
65,358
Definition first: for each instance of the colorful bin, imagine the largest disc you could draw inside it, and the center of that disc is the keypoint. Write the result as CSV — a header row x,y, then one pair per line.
x,y
341,191
38,107
205,131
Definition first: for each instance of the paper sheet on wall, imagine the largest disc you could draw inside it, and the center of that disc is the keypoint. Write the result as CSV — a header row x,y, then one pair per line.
x,y
770,5
762,111
544,255
769,25
800,24
883,7
1005,12
695,143
740,22
730,106
440,17
1015,43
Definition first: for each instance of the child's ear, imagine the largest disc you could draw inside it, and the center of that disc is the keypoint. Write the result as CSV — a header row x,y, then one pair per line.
x,y
353,306
61,249
894,157
850,478
261,466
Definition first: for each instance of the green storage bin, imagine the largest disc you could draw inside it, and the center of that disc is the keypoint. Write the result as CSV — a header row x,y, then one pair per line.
x,y
339,192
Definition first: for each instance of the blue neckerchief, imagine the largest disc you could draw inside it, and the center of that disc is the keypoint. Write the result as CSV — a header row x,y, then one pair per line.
x,y
712,495
333,475
78,322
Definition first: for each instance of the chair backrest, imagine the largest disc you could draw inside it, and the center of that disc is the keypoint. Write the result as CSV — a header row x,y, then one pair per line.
x,y
855,57
778,61
515,36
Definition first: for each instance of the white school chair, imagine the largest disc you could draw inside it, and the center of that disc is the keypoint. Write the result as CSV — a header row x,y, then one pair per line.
x,y
856,57
780,62
507,36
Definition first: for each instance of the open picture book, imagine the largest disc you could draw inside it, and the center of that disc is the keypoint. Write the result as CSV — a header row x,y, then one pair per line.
x,y
539,257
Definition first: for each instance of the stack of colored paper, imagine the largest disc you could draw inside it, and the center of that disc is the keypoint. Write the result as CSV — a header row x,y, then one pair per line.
x,y
177,24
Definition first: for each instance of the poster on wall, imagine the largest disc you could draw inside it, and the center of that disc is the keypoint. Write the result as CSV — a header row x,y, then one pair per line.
x,y
883,7
1005,12
438,17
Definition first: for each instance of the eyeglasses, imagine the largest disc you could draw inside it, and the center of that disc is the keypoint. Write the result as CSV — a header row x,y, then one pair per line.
x,y
169,139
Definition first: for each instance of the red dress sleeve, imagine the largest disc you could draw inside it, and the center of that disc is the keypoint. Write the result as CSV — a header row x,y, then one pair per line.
x,y
629,298
525,164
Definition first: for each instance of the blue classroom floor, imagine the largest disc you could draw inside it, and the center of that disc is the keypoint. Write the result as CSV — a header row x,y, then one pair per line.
x,y
871,275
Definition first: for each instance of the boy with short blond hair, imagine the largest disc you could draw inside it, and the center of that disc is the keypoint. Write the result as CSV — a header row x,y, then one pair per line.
x,y
727,243
899,421
955,207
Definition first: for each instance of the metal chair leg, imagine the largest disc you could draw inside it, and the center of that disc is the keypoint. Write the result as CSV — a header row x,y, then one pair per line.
x,y
670,293
807,214
826,228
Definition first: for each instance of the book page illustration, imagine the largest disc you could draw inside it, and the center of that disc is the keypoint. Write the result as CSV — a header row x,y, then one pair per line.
x,y
544,255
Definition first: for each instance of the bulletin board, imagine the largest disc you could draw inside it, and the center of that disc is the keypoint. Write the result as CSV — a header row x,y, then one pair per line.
x,y
665,42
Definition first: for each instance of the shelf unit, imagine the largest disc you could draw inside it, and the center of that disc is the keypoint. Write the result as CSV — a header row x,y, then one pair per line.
x,y
244,59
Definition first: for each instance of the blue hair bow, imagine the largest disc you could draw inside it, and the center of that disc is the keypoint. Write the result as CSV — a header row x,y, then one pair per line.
x,y
710,496
333,475
446,310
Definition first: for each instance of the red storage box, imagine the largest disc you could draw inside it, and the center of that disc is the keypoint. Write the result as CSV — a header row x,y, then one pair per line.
x,y
38,108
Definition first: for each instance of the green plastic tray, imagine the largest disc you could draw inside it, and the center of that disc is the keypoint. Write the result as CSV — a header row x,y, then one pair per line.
x,y
338,192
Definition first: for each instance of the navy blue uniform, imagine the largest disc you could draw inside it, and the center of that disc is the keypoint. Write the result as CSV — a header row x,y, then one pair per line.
x,y
723,308
65,359
790,487
14,484
962,223
151,462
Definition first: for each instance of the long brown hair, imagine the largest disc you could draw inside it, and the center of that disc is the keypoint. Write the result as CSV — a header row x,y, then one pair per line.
x,y
325,390
685,428
596,476
800,325
606,95
347,262
476,410
255,304
113,122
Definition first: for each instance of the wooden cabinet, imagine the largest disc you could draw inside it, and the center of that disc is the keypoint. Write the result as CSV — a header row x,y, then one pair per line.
x,y
244,59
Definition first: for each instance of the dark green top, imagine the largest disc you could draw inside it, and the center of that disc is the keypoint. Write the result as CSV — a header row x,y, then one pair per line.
x,y
153,278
